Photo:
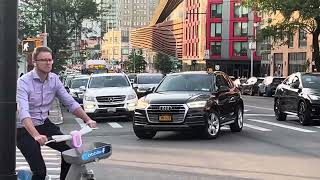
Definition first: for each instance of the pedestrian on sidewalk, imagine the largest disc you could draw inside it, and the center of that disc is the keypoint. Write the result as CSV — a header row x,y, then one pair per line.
x,y
36,91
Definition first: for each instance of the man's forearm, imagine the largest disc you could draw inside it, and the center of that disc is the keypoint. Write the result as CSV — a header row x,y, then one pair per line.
x,y
79,112
28,124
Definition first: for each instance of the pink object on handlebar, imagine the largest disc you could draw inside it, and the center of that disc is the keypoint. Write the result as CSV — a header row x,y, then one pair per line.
x,y
76,139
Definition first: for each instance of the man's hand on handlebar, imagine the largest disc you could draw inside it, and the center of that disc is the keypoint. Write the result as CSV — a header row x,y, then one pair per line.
x,y
92,123
41,139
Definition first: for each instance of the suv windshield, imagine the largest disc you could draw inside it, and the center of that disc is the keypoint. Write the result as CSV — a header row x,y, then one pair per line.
x,y
76,83
186,82
108,81
149,79
311,81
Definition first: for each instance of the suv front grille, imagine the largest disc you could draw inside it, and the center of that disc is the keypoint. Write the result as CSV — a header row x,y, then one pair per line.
x,y
111,99
177,112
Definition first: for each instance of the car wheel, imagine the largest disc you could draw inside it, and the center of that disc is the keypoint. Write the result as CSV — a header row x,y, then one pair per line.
x,y
304,114
212,128
268,92
280,116
144,134
259,93
252,92
238,123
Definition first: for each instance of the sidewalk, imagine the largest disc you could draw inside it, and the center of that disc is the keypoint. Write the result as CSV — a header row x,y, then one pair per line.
x,y
55,114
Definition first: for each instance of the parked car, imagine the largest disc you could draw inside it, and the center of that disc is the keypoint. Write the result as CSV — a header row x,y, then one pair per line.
x,y
299,94
109,95
75,89
269,85
144,81
196,101
238,82
251,86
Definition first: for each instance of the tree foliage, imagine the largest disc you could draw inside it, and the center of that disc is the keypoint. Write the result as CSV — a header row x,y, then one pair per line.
x,y
292,15
136,62
163,63
62,19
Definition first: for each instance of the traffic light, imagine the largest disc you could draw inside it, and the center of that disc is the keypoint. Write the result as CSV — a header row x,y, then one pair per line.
x,y
28,45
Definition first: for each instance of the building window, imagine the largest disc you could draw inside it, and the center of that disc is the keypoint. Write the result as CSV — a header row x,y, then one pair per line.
x,y
240,48
240,29
215,48
297,62
302,38
216,10
240,11
278,64
125,51
290,41
215,30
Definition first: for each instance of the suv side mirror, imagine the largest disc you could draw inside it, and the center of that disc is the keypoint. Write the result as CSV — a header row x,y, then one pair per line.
x,y
149,90
295,85
82,88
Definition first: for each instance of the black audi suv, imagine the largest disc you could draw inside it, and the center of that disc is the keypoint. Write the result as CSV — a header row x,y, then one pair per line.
x,y
198,101
298,94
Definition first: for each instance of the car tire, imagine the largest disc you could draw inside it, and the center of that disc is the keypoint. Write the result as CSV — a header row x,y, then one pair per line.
x,y
143,133
238,123
268,92
280,116
304,114
252,92
259,93
212,128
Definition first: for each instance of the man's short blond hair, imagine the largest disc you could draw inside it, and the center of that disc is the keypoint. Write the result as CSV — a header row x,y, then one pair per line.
x,y
38,50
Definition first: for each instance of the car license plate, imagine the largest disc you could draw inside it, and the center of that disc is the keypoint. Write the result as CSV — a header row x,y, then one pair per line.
x,y
111,109
165,118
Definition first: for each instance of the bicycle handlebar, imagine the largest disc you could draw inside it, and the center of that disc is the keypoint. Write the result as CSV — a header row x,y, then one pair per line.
x,y
61,138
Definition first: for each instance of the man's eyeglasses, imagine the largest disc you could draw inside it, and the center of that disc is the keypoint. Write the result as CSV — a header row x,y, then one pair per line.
x,y
45,60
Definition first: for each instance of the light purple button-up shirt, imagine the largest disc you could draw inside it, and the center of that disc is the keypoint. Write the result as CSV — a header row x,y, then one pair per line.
x,y
35,97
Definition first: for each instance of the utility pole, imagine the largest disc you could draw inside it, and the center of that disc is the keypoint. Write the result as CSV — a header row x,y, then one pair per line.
x,y
8,79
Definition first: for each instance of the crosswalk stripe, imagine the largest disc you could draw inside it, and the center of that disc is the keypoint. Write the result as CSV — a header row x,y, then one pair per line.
x,y
46,158
44,154
115,125
282,125
256,127
317,127
47,163
259,107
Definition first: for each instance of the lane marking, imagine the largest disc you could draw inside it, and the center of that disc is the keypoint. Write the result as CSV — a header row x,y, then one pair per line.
x,y
256,127
246,110
317,127
259,107
258,114
44,154
115,125
282,125
80,122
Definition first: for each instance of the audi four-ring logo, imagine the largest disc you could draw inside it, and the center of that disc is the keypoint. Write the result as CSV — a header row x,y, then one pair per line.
x,y
165,108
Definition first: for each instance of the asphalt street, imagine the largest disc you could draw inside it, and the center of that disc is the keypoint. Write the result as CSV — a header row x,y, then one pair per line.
x,y
265,149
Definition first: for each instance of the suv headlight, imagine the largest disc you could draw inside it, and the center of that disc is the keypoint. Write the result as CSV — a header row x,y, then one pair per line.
x,y
89,98
131,96
196,104
142,104
314,97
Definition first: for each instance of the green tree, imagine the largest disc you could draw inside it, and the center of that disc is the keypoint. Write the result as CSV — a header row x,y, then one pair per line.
x,y
62,19
136,62
297,15
163,63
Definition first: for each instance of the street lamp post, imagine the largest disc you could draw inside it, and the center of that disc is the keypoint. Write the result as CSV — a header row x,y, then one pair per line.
x,y
252,47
